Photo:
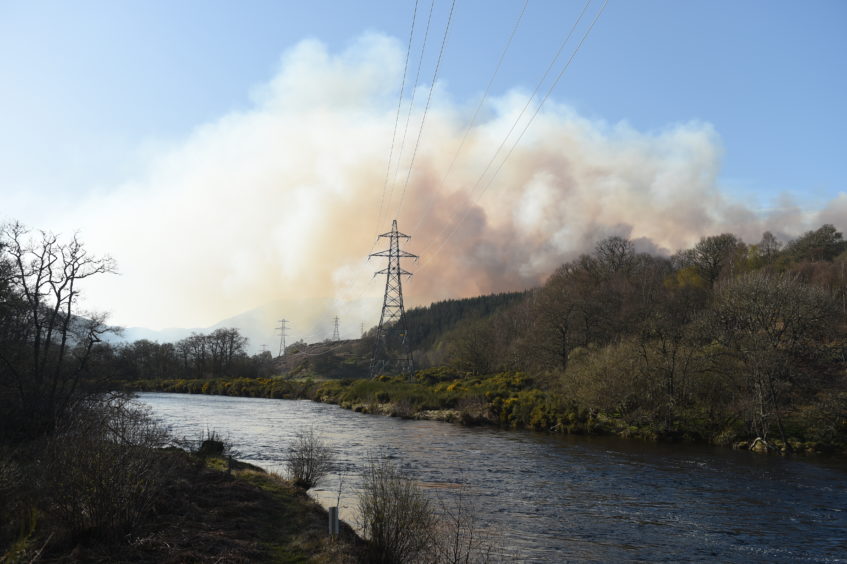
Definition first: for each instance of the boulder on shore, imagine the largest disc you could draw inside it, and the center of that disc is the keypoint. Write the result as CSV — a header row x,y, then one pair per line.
x,y
760,445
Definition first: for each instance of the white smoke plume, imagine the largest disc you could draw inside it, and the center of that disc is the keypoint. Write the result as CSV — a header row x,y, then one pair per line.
x,y
278,204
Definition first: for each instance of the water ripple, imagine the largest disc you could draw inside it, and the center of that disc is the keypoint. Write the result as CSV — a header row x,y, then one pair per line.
x,y
550,498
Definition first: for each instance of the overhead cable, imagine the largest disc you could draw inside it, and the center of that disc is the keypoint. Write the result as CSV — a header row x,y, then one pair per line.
x,y
411,106
426,107
397,117
520,136
517,120
472,121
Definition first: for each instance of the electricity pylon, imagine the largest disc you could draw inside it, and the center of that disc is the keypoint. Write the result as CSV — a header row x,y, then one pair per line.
x,y
282,335
336,335
391,348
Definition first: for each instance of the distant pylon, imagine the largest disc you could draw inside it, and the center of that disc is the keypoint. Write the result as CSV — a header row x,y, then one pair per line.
x,y
391,347
336,335
282,335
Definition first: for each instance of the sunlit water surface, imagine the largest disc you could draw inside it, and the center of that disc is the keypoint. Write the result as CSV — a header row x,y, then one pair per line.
x,y
559,499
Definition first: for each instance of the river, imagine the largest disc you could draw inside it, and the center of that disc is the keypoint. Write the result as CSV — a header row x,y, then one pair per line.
x,y
558,498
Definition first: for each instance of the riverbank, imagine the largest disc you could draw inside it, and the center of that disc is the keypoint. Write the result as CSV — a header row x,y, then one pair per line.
x,y
555,498
208,509
508,400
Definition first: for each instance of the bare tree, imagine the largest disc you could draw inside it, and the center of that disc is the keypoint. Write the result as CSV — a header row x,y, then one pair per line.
x,y
769,247
615,254
715,256
309,459
197,353
472,347
224,345
396,518
824,243
101,471
460,538
773,324
45,352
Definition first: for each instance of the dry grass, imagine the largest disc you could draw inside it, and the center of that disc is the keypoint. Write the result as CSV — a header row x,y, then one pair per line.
x,y
207,515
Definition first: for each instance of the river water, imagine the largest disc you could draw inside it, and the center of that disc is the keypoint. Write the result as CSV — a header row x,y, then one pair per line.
x,y
557,498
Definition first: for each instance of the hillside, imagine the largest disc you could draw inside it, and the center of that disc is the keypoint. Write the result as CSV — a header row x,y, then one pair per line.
x,y
428,326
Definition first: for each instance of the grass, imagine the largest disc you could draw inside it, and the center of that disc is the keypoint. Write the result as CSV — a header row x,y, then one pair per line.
x,y
209,513
518,400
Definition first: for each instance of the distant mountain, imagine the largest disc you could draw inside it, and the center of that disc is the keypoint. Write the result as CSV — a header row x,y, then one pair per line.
x,y
310,320
169,335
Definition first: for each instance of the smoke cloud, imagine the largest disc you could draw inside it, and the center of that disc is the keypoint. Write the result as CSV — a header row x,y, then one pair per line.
x,y
280,204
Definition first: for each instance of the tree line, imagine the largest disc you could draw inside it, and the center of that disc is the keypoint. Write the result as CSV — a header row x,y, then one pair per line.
x,y
722,336
54,356
719,341
218,354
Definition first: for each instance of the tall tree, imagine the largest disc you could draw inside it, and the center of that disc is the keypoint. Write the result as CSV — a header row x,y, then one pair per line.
x,y
824,243
715,256
46,342
769,247
773,324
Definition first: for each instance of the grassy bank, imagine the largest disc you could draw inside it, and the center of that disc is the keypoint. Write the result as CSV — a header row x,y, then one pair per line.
x,y
509,400
207,510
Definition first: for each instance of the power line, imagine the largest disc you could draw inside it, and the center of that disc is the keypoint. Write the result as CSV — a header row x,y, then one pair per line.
x,y
472,121
532,97
426,108
397,116
547,95
411,106
518,118
336,335
526,127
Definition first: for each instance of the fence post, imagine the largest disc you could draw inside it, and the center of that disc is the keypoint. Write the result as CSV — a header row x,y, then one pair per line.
x,y
333,521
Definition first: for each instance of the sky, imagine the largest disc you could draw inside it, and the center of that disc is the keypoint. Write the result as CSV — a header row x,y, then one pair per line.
x,y
234,155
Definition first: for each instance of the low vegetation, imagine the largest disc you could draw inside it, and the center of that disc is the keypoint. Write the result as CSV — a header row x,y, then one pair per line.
x,y
396,517
109,489
402,524
309,459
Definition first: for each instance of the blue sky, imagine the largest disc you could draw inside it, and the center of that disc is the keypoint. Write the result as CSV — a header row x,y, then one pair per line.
x,y
86,85
253,137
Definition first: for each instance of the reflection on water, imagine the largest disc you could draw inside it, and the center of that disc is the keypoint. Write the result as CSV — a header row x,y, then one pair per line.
x,y
554,499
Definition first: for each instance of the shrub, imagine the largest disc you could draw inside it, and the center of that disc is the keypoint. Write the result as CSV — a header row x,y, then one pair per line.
x,y
17,511
210,444
308,460
396,519
101,472
460,539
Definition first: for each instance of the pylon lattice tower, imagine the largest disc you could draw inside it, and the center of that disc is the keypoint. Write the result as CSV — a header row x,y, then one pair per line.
x,y
391,348
282,335
336,334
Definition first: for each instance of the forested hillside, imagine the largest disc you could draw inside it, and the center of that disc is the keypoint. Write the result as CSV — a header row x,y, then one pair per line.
x,y
428,324
724,337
